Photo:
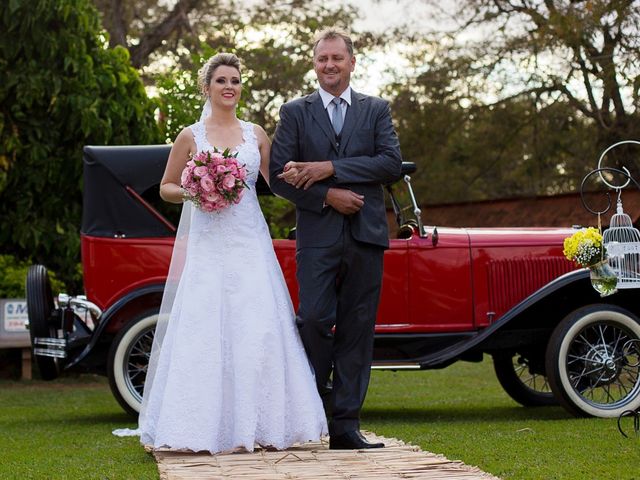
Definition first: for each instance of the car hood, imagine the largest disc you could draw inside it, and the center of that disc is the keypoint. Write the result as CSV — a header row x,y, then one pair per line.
x,y
517,236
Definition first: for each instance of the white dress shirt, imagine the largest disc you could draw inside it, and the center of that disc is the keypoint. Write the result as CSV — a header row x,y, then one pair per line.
x,y
329,106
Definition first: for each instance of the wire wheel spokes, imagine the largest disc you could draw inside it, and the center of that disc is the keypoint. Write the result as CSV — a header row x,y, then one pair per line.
x,y
138,361
522,376
602,364
531,380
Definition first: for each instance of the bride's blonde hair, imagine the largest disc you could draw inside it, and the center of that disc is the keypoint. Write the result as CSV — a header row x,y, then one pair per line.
x,y
220,59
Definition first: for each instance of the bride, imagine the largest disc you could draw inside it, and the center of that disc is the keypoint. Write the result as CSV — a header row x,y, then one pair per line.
x,y
227,368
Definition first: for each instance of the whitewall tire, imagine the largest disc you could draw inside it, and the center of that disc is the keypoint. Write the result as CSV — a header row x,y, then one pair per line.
x,y
129,359
592,361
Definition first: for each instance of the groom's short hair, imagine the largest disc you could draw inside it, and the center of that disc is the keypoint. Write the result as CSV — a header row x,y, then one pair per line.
x,y
331,33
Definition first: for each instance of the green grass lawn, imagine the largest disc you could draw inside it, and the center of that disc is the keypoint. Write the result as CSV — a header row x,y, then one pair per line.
x,y
463,413
62,429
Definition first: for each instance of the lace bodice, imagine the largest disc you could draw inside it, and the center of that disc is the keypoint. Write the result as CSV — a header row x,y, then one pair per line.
x,y
248,152
247,213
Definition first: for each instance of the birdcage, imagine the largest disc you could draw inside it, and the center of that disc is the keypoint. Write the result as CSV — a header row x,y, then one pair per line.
x,y
622,241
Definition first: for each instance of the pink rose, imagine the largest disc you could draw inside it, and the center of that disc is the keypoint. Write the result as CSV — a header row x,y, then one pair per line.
x,y
242,173
184,179
207,183
217,157
221,169
207,207
213,197
228,182
201,171
193,190
191,163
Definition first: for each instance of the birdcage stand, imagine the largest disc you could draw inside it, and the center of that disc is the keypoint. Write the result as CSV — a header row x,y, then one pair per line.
x,y
622,243
621,240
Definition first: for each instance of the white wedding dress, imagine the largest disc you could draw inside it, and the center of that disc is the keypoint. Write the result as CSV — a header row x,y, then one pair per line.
x,y
231,370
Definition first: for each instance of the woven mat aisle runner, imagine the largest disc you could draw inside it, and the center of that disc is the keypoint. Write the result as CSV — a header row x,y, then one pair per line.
x,y
314,461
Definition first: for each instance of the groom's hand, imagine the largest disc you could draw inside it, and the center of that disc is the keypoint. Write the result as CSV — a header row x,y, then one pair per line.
x,y
344,201
305,174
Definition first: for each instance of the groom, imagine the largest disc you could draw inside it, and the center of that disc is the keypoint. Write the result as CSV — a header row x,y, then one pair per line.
x,y
331,153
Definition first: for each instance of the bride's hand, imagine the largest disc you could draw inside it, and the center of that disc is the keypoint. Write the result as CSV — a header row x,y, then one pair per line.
x,y
306,173
289,173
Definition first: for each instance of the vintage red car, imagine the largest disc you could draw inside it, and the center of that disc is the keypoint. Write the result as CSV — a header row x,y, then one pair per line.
x,y
448,294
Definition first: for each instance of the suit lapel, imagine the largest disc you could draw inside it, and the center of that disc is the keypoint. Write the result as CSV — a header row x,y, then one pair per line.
x,y
351,119
319,114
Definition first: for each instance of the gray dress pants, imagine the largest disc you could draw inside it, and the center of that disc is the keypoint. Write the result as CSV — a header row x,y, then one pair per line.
x,y
339,286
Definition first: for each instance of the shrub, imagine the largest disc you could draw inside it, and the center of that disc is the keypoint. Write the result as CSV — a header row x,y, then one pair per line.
x,y
61,88
13,276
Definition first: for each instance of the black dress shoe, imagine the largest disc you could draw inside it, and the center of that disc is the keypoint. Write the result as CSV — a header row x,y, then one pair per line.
x,y
351,441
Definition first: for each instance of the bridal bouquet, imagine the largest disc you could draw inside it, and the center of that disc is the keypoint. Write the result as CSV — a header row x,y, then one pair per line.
x,y
213,180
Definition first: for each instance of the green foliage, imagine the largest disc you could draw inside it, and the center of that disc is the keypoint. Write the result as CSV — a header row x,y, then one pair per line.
x,y
274,68
12,277
180,102
13,274
510,99
469,150
582,52
279,214
60,88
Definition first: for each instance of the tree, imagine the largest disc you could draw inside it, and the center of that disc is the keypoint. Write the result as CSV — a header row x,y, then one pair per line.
x,y
275,67
518,97
145,27
585,53
61,88
467,150
150,30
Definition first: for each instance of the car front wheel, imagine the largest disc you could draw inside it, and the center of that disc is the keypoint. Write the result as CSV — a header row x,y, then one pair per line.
x,y
129,359
521,382
592,361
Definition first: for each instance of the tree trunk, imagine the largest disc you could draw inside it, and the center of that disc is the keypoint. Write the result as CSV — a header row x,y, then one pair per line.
x,y
172,23
118,33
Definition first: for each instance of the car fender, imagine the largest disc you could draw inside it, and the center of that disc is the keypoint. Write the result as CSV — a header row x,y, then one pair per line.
x,y
142,297
577,280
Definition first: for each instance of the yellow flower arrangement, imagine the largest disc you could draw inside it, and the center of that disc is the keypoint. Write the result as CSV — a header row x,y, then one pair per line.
x,y
585,247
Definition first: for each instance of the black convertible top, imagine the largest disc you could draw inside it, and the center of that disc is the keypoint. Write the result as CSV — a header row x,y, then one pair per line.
x,y
113,176
121,192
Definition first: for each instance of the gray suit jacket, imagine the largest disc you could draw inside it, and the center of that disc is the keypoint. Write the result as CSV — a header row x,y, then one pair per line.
x,y
367,156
